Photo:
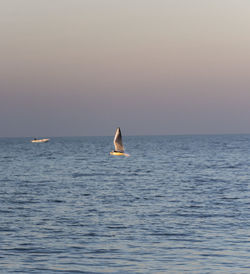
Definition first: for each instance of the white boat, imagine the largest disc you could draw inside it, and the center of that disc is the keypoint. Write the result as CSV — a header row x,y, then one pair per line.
x,y
119,148
39,140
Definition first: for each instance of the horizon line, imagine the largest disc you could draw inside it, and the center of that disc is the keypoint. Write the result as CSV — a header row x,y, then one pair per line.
x,y
169,134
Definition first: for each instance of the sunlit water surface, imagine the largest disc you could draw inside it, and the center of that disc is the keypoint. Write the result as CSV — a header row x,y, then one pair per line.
x,y
177,204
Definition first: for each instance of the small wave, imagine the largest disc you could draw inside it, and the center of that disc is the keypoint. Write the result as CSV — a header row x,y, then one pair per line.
x,y
55,201
117,227
102,250
171,234
213,255
230,198
7,229
6,180
34,250
231,166
5,211
195,206
90,234
25,202
76,175
86,194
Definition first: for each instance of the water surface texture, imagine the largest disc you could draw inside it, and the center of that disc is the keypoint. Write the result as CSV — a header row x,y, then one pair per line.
x,y
178,204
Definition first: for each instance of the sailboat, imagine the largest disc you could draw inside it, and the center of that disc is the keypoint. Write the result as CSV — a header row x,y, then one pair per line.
x,y
119,149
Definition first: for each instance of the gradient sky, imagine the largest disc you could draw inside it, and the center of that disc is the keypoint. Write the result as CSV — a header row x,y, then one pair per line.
x,y
84,67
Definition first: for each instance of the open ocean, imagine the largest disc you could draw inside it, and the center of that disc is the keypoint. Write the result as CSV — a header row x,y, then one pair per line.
x,y
178,204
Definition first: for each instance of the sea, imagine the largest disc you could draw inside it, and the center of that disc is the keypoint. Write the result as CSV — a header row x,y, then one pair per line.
x,y
177,204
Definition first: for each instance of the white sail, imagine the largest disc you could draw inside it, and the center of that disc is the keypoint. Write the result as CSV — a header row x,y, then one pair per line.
x,y
118,141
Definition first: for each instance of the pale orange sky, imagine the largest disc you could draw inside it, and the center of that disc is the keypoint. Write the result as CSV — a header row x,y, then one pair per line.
x,y
76,67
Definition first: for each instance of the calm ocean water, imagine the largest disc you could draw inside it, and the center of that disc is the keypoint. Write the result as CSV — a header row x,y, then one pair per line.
x,y
178,204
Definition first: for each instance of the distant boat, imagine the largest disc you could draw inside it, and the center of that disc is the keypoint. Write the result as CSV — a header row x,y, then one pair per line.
x,y
119,148
39,140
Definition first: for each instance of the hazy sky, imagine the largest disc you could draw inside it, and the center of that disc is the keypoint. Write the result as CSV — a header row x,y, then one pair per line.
x,y
84,67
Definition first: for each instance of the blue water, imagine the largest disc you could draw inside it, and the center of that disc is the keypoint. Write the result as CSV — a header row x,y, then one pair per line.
x,y
178,204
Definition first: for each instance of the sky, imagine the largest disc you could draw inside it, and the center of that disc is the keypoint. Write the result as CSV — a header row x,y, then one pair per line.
x,y
85,67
